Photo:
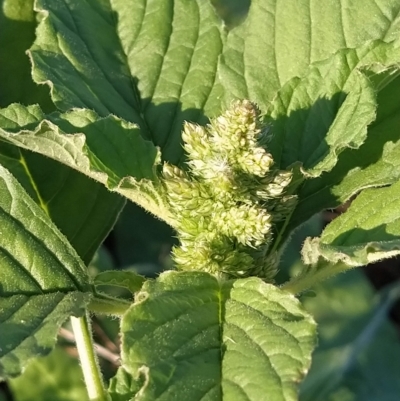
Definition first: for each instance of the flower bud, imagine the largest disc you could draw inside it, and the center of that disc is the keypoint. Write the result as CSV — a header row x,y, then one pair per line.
x,y
230,198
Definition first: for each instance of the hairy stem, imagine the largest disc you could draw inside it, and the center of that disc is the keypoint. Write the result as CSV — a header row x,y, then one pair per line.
x,y
87,356
305,281
107,305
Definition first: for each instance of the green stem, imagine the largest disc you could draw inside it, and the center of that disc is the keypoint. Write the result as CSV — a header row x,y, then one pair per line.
x,y
87,356
301,283
104,304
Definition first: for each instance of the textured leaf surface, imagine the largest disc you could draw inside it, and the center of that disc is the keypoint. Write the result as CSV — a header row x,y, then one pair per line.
x,y
358,353
368,231
161,70
164,65
191,335
375,163
69,198
280,39
108,150
42,279
315,118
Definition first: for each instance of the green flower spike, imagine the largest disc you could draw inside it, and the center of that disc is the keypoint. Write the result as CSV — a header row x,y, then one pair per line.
x,y
226,203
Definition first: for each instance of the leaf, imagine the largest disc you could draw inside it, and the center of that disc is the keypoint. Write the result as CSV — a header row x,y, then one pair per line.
x,y
358,356
69,198
160,72
375,163
368,231
122,386
17,21
190,334
318,137
164,66
42,282
56,377
280,40
315,118
109,150
120,278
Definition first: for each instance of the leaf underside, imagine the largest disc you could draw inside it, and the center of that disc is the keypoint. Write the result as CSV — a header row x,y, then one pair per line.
x,y
109,150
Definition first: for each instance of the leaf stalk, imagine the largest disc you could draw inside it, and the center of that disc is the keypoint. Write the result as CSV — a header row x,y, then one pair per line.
x,y
89,363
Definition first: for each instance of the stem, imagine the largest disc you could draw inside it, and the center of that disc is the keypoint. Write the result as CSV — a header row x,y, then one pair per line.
x,y
278,239
104,304
301,283
101,351
87,356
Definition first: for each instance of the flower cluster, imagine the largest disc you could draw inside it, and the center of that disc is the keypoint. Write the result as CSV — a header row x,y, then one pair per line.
x,y
230,197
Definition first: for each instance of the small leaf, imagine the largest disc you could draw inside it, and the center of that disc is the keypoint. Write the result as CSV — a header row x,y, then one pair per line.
x,y
368,231
120,278
42,283
122,386
109,150
192,335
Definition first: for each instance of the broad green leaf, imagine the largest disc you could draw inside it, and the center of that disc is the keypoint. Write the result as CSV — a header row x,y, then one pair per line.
x,y
120,278
42,280
318,135
375,163
358,353
109,150
193,335
56,377
368,231
17,33
160,77
161,70
70,199
315,118
164,66
280,39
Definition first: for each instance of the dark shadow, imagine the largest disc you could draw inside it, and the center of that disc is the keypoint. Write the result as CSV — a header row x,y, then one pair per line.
x,y
233,12
16,84
165,122
380,134
142,242
301,135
